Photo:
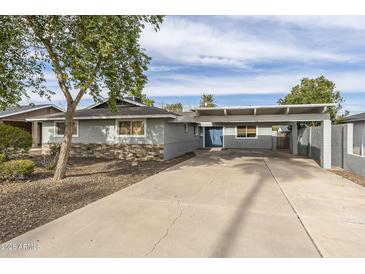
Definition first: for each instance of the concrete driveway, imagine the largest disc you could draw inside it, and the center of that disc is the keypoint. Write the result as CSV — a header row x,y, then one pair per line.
x,y
231,203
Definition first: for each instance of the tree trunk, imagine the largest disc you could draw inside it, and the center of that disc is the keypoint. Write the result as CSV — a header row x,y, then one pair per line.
x,y
65,147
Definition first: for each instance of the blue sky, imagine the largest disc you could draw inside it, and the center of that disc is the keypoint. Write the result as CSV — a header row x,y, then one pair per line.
x,y
251,60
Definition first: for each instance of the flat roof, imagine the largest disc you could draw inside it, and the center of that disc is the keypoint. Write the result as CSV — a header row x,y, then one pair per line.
x,y
263,110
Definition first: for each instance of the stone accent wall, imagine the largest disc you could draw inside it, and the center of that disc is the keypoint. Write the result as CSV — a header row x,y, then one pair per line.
x,y
135,152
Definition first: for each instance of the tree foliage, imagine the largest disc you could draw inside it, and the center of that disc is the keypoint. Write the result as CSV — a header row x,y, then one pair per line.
x,y
207,100
21,64
88,54
176,107
315,91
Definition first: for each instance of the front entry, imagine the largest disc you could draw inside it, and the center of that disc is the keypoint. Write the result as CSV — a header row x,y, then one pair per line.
x,y
213,137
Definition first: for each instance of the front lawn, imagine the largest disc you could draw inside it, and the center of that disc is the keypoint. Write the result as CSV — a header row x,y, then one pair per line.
x,y
26,204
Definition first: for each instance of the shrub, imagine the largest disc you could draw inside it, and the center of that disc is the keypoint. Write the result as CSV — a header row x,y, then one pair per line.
x,y
2,157
49,161
16,169
14,140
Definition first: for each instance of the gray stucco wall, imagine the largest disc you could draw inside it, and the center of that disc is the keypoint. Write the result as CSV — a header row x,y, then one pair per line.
x,y
355,163
337,145
338,157
316,138
104,132
359,137
303,141
263,140
178,142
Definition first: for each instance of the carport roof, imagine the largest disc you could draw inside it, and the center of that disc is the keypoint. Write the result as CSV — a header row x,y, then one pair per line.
x,y
263,110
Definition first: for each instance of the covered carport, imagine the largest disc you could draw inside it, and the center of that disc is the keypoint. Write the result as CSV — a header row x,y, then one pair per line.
x,y
270,115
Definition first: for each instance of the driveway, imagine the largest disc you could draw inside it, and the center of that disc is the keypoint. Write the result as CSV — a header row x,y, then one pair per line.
x,y
231,203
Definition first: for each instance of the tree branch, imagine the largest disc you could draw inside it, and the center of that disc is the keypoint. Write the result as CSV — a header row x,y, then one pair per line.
x,y
87,83
54,59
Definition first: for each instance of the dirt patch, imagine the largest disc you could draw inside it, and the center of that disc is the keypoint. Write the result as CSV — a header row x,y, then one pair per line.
x,y
25,205
360,180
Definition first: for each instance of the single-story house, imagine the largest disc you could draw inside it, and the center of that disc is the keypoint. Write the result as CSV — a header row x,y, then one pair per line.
x,y
138,131
358,121
16,116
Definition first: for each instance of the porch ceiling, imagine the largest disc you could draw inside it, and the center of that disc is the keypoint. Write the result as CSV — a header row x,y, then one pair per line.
x,y
264,110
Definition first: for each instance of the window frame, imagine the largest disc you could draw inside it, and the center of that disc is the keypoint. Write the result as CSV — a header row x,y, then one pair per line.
x,y
62,135
257,132
131,135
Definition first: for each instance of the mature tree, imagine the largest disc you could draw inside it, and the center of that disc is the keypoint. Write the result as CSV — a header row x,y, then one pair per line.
x,y
86,53
177,107
315,91
207,100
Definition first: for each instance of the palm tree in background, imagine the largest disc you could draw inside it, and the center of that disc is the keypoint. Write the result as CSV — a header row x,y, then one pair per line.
x,y
207,100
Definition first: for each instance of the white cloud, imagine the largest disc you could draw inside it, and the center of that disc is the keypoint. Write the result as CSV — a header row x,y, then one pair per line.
x,y
187,42
339,22
183,85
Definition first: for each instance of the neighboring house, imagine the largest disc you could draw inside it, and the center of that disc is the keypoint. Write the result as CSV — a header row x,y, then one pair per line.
x,y
16,116
137,131
358,121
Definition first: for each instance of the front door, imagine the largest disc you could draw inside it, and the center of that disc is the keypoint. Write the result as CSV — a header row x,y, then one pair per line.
x,y
213,137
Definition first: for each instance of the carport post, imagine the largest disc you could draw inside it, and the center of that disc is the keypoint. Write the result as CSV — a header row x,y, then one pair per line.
x,y
294,132
326,144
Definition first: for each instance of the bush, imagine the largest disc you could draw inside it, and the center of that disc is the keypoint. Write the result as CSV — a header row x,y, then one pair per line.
x,y
2,157
14,141
16,169
50,160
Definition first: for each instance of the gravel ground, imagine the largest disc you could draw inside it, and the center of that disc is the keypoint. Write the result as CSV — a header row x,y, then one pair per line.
x,y
360,180
27,204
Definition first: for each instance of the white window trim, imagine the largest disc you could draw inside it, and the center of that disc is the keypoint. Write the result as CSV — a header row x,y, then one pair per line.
x,y
249,138
62,135
131,135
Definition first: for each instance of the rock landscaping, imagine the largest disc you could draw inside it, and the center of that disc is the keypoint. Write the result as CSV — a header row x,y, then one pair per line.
x,y
136,152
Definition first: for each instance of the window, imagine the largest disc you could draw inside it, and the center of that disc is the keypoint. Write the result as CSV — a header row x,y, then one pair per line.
x,y
196,130
186,128
60,128
131,128
246,132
